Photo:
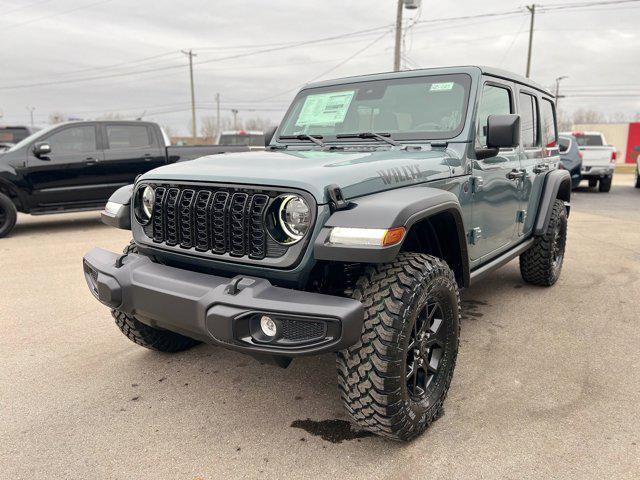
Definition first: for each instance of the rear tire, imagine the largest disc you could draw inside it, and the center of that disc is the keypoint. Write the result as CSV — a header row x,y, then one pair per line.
x,y
146,336
8,215
593,182
394,380
542,263
605,184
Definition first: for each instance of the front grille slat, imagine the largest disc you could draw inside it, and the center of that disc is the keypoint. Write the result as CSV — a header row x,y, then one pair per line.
x,y
223,220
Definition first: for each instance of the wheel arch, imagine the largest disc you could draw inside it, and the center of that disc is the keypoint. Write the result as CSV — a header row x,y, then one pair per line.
x,y
432,217
14,193
557,186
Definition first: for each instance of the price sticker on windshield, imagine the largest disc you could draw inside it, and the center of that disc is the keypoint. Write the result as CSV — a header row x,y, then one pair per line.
x,y
325,108
441,87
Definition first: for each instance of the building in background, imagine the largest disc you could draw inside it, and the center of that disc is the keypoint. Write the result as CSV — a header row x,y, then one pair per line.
x,y
624,136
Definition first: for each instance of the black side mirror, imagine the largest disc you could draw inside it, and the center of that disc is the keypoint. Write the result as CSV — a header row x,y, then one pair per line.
x,y
268,135
503,131
41,149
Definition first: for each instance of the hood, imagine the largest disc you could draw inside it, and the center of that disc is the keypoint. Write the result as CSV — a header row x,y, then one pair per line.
x,y
355,172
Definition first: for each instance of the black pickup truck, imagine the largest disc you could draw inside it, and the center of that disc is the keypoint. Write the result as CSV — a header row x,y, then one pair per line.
x,y
76,166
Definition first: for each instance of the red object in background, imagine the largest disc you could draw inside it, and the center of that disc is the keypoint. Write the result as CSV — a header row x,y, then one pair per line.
x,y
633,143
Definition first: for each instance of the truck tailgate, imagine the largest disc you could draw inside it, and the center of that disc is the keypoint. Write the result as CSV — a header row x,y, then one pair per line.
x,y
596,156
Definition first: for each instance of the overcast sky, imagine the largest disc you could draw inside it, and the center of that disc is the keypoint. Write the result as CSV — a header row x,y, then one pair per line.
x,y
63,41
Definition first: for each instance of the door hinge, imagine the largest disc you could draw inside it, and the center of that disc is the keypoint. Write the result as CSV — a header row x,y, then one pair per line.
x,y
476,184
475,235
521,216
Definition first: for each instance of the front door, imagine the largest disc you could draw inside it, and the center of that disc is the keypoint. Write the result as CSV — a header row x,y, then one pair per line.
x,y
68,175
495,189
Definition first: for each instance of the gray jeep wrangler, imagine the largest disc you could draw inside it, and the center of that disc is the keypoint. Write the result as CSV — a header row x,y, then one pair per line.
x,y
378,198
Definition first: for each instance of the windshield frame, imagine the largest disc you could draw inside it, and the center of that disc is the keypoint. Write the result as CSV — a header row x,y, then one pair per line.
x,y
462,77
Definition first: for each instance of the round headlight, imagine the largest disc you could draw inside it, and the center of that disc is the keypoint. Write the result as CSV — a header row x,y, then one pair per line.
x,y
144,204
294,216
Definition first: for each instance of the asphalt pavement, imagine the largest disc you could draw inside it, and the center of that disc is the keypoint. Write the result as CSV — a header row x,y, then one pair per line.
x,y
547,383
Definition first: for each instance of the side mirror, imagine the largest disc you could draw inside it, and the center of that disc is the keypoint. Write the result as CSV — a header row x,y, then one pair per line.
x,y
268,135
503,131
41,149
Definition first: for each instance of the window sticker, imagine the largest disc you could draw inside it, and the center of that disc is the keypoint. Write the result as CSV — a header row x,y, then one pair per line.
x,y
325,108
441,87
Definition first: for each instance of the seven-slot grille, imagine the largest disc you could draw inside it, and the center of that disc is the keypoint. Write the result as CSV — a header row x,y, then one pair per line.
x,y
213,220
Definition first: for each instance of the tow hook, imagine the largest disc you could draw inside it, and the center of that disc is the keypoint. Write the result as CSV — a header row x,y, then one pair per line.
x,y
237,284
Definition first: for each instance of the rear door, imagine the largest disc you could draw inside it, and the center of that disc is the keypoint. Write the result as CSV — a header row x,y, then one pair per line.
x,y
68,175
496,197
538,147
130,149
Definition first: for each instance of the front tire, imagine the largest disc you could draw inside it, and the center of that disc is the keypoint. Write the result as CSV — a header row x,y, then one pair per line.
x,y
605,184
146,336
8,215
394,380
541,264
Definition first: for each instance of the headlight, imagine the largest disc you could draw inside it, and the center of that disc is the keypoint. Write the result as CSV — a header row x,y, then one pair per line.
x,y
144,201
289,219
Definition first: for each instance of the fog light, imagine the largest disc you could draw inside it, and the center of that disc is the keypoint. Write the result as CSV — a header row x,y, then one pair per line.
x,y
268,326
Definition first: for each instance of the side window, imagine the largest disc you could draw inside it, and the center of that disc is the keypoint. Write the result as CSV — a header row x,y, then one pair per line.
x,y
495,101
73,139
128,136
549,134
528,121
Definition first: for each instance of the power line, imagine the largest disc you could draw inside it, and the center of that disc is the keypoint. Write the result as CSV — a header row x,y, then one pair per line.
x,y
29,5
46,17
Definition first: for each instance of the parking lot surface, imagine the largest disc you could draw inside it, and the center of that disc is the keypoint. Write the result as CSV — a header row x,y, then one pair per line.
x,y
547,383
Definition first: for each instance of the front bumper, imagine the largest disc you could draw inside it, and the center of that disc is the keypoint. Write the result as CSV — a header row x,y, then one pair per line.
x,y
598,172
220,310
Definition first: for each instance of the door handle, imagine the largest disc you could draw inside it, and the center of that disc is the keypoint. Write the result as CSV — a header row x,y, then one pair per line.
x,y
147,157
516,174
90,161
542,167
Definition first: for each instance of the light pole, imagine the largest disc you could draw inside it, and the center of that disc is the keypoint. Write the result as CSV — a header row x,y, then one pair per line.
x,y
558,80
31,109
235,118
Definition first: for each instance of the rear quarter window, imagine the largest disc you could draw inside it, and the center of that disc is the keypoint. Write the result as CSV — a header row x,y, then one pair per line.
x,y
549,133
589,140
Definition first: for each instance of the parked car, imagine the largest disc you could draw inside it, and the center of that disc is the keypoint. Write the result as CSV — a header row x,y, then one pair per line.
x,y
377,200
77,165
14,134
250,138
4,146
571,158
598,159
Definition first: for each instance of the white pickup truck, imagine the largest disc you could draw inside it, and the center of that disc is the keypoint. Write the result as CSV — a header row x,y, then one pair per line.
x,y
598,159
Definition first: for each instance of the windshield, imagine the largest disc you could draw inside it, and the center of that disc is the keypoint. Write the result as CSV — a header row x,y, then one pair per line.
x,y
429,107
32,137
589,140
13,134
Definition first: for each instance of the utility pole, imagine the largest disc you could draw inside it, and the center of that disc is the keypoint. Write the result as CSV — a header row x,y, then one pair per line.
x,y
194,131
31,109
532,10
235,118
396,53
558,80
218,114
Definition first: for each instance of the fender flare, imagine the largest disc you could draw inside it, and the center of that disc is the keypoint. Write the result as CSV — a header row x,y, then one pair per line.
x,y
19,193
393,208
117,212
557,184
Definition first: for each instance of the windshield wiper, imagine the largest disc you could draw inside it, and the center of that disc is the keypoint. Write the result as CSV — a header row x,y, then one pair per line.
x,y
303,136
378,136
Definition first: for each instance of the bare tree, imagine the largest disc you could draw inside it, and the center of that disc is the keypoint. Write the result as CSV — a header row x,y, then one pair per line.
x,y
582,116
57,117
208,128
620,117
564,121
258,123
111,116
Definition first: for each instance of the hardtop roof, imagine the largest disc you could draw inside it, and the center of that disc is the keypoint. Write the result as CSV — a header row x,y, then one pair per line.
x,y
470,69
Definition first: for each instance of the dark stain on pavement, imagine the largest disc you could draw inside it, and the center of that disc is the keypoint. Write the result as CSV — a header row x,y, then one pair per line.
x,y
470,309
334,431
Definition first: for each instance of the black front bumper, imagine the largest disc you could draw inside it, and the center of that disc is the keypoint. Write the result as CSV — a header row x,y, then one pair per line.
x,y
220,310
